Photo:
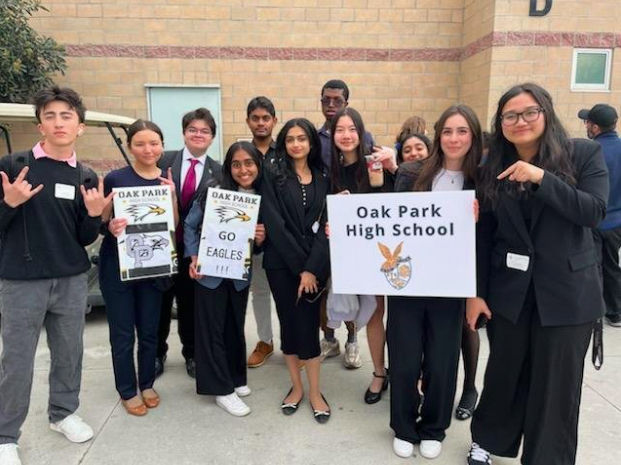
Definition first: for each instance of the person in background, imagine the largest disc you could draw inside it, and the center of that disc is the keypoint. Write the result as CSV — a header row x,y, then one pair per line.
x,y
50,209
221,302
132,307
192,170
261,119
601,124
413,146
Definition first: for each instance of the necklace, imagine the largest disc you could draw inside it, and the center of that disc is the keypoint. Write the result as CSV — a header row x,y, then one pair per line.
x,y
453,177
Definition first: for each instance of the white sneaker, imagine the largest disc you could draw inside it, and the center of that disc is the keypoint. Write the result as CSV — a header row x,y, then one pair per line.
x,y
233,404
351,359
402,448
8,454
243,391
430,449
74,428
329,349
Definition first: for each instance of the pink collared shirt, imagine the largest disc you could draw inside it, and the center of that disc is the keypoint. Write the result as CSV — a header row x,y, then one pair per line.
x,y
39,152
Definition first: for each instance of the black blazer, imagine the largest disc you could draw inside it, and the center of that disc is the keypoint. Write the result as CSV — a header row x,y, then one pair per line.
x,y
290,241
563,263
173,159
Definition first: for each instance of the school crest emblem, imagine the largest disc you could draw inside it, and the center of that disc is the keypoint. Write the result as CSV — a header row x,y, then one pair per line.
x,y
396,269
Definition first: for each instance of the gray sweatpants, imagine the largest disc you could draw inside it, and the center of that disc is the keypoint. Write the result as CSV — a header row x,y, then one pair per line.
x,y
25,307
261,300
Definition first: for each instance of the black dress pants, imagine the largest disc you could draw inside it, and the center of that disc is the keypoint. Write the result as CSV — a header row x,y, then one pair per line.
x,y
609,243
423,328
220,341
532,389
183,291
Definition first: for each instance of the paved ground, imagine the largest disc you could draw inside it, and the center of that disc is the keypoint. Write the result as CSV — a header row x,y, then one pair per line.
x,y
188,429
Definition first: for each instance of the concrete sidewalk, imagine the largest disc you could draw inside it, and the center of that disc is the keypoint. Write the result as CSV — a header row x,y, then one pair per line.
x,y
188,429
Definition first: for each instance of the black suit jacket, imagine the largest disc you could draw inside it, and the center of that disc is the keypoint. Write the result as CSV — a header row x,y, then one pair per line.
x,y
211,171
563,263
290,241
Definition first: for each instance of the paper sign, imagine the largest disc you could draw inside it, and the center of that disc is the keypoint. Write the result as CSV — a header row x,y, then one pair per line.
x,y
147,246
227,235
407,244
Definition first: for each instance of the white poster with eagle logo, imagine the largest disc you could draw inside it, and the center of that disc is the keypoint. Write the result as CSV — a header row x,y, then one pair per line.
x,y
403,244
147,245
227,234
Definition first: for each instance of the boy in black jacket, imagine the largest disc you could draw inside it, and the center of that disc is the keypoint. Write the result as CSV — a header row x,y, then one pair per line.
x,y
50,209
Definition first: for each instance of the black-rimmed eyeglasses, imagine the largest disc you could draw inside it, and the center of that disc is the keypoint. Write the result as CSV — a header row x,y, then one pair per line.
x,y
530,115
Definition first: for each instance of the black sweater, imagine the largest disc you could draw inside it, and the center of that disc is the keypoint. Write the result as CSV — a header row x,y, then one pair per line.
x,y
56,230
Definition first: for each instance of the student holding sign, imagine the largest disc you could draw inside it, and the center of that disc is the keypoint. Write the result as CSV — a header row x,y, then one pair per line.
x,y
429,328
220,303
296,254
350,173
538,281
133,306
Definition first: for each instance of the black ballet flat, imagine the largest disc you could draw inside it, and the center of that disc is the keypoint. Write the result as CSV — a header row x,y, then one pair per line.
x,y
291,407
322,416
371,397
467,403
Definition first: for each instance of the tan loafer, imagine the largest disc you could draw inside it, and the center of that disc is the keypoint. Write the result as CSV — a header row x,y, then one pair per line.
x,y
150,398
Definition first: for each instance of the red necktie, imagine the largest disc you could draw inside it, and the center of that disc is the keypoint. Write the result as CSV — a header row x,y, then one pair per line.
x,y
189,184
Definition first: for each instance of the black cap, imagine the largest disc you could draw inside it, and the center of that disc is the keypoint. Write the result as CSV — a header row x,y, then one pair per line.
x,y
601,114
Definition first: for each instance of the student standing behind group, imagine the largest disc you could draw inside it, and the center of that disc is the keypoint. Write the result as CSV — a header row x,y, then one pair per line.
x,y
296,254
192,170
537,279
349,174
133,307
425,332
601,122
261,119
221,303
50,209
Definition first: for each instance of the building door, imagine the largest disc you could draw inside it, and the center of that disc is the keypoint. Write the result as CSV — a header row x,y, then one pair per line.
x,y
168,104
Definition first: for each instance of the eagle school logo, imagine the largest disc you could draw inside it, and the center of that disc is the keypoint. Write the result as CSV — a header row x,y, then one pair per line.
x,y
141,247
140,211
396,269
227,214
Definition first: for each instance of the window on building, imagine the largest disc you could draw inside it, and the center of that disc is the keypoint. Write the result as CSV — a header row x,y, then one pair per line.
x,y
591,69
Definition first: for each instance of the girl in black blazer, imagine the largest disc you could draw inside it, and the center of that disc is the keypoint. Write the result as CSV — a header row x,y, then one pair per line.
x,y
430,328
538,282
296,255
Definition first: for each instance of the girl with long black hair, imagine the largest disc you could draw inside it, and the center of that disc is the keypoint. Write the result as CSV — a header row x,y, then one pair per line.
x,y
541,194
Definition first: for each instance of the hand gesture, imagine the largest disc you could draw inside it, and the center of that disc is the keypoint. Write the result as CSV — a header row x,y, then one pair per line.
x,y
308,283
522,171
20,191
475,307
168,181
116,226
259,234
192,270
94,199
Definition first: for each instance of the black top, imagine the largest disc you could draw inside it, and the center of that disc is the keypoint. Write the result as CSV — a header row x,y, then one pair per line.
x,y
295,235
123,177
347,175
45,237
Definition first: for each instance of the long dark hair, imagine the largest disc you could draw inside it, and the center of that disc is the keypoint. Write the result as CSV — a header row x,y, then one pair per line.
x,y
283,167
228,182
362,174
406,137
554,153
432,165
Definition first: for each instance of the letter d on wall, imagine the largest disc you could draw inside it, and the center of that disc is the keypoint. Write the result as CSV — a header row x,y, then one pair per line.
x,y
535,12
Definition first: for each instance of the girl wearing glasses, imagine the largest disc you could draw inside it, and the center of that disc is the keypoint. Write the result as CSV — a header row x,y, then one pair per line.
x,y
220,304
538,284
296,255
350,175
425,332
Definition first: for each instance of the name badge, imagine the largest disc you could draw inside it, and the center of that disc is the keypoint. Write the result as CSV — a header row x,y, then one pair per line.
x,y
64,191
517,261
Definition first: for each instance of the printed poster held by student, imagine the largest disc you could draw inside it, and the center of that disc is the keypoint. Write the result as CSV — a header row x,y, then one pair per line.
x,y
227,234
407,244
147,246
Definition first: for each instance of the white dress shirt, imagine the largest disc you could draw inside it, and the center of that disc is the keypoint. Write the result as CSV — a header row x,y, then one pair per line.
x,y
185,166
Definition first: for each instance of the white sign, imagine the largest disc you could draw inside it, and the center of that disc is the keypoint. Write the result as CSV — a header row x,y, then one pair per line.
x,y
407,244
227,235
147,245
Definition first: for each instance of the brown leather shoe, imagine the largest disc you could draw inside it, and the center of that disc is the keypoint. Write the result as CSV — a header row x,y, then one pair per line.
x,y
260,354
151,399
138,410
